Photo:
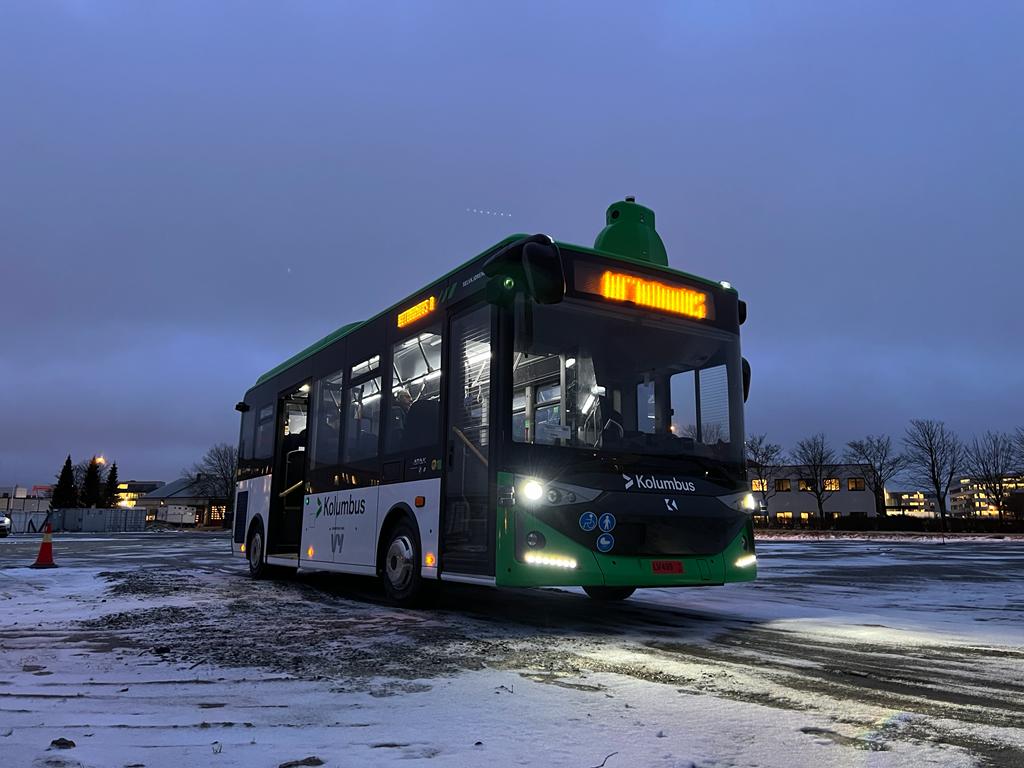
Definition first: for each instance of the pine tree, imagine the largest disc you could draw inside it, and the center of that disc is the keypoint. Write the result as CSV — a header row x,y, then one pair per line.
x,y
65,494
91,492
110,489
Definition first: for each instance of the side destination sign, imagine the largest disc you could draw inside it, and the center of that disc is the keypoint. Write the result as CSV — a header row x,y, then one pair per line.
x,y
416,311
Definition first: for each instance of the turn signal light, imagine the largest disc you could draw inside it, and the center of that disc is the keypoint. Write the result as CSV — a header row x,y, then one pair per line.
x,y
429,560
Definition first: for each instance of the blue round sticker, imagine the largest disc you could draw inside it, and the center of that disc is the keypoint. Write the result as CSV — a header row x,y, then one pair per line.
x,y
606,522
605,542
588,521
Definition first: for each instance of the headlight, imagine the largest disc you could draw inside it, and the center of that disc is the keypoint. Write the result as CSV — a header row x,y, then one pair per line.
x,y
532,490
538,493
742,502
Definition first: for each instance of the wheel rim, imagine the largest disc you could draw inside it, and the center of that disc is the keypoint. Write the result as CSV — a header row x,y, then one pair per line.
x,y
399,562
255,551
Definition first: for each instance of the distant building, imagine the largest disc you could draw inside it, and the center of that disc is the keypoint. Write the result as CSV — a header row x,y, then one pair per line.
x,y
130,491
794,505
967,499
183,502
912,503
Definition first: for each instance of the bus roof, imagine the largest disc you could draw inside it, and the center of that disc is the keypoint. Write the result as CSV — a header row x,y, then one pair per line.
x,y
345,330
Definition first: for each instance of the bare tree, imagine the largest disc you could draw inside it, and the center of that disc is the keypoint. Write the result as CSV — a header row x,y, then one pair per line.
x,y
214,474
1018,450
818,467
877,462
764,460
935,455
990,461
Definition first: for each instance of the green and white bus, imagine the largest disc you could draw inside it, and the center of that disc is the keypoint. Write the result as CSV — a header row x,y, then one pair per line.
x,y
545,414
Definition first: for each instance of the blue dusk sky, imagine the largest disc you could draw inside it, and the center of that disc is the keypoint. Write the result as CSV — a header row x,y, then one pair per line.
x,y
192,191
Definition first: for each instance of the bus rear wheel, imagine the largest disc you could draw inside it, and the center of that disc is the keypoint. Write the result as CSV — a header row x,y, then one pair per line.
x,y
609,594
400,568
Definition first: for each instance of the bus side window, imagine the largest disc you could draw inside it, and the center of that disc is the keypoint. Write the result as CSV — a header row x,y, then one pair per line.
x,y
683,396
264,448
245,442
714,405
362,420
645,406
414,409
327,420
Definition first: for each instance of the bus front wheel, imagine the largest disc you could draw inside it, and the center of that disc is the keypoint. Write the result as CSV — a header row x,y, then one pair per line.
x,y
608,594
400,568
254,553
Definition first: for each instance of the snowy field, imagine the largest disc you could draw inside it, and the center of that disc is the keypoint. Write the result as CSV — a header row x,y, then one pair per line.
x,y
156,650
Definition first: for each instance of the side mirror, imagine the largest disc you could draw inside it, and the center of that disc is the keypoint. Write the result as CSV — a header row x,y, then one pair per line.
x,y
746,379
532,266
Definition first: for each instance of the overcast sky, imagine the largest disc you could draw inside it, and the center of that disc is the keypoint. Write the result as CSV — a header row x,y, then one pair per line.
x,y
191,192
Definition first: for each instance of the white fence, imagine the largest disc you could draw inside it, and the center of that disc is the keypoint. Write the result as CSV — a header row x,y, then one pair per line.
x,y
80,520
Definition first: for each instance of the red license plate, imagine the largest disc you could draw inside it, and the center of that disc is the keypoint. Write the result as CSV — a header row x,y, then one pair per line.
x,y
667,566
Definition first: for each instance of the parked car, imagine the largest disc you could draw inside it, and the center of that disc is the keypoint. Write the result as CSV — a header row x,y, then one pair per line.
x,y
5,525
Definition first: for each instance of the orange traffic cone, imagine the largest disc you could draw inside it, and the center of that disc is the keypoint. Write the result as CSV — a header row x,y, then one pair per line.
x,y
45,557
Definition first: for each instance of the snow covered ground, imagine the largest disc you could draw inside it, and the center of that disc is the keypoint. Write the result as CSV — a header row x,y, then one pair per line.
x,y
159,651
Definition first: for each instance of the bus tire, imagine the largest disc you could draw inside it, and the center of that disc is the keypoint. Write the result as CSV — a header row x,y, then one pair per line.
x,y
255,546
400,563
609,594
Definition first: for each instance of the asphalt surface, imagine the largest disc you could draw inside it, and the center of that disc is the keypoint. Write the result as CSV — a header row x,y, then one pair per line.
x,y
864,632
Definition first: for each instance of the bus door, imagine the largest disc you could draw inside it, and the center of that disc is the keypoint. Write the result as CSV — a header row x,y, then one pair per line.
x,y
468,522
289,473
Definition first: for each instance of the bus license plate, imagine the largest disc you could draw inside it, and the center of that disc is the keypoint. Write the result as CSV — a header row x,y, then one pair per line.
x,y
667,566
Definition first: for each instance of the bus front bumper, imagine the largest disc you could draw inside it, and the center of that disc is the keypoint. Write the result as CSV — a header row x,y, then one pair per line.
x,y
564,562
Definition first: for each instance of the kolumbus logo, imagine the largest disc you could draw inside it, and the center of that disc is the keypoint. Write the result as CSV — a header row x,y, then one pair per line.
x,y
652,483
333,506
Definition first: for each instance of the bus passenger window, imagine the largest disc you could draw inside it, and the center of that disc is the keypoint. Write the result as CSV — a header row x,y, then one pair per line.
x,y
327,408
362,420
265,433
414,409
245,443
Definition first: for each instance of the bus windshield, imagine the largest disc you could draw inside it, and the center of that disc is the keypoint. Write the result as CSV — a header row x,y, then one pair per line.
x,y
625,381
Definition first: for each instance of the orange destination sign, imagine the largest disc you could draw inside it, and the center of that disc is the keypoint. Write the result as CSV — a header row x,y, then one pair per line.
x,y
650,293
416,311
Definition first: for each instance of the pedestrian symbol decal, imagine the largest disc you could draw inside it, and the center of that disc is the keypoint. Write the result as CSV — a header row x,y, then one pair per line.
x,y
606,522
588,521
605,542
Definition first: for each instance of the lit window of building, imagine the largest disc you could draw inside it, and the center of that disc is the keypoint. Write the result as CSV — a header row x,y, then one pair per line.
x,y
759,485
855,484
832,484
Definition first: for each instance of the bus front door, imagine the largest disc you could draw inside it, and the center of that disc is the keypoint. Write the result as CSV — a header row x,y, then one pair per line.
x,y
289,474
468,524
